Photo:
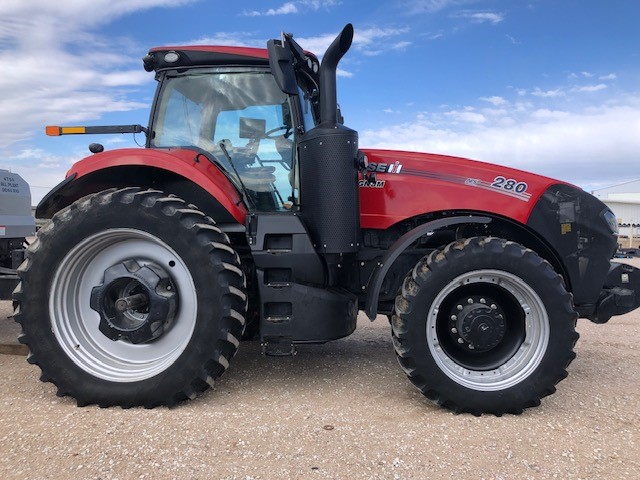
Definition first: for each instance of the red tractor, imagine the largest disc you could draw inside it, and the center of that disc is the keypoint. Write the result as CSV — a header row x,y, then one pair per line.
x,y
252,211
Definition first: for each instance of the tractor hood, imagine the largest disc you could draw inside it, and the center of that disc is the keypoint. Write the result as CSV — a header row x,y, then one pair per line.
x,y
578,227
400,185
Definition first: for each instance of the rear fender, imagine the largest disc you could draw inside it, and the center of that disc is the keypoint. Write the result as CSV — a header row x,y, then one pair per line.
x,y
185,173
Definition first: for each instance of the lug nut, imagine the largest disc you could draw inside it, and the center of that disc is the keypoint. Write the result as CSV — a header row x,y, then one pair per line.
x,y
471,347
460,340
493,306
469,301
482,300
454,330
454,317
459,307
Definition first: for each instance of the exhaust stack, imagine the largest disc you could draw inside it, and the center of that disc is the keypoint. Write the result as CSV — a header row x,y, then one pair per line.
x,y
329,177
328,96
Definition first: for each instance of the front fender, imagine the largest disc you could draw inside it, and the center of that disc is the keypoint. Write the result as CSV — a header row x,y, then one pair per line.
x,y
400,245
133,167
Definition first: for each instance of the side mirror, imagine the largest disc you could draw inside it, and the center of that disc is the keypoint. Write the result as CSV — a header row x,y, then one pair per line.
x,y
281,64
253,128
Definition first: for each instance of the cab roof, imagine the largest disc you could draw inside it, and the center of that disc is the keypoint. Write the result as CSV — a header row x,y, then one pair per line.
x,y
203,55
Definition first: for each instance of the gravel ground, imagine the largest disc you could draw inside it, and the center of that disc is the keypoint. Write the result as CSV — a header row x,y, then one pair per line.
x,y
340,410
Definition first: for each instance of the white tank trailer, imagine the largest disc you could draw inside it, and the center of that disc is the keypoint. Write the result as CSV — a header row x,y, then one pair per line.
x,y
16,223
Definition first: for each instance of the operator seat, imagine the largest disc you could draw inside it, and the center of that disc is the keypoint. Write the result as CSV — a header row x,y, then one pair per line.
x,y
255,178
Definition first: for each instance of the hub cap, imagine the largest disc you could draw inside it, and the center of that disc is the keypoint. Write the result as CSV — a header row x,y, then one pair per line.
x,y
480,326
136,303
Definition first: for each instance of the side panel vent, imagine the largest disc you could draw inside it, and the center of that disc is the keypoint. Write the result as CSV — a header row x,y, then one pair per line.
x,y
278,243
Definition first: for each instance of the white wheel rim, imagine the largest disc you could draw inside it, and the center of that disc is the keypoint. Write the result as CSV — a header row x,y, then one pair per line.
x,y
75,324
525,360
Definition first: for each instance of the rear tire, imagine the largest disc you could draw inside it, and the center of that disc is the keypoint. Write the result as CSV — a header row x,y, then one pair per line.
x,y
484,326
203,319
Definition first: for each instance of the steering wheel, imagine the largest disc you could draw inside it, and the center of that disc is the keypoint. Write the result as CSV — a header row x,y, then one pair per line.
x,y
286,134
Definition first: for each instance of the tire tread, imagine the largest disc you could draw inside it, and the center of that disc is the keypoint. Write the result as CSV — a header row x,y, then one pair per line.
x,y
222,255
419,277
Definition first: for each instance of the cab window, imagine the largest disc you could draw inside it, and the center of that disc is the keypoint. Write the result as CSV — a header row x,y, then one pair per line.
x,y
243,120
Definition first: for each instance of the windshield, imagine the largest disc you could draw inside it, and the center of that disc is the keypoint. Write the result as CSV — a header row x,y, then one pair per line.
x,y
243,111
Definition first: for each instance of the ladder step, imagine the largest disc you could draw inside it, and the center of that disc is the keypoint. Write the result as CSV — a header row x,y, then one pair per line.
x,y
278,318
279,347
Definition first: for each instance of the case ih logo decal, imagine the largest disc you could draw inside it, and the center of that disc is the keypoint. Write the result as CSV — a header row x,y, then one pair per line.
x,y
384,167
370,180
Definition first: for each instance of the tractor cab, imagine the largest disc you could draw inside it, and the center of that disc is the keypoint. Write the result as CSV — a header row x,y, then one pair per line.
x,y
239,119
249,111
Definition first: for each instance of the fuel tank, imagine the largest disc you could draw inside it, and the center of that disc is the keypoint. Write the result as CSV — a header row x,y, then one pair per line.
x,y
399,185
16,220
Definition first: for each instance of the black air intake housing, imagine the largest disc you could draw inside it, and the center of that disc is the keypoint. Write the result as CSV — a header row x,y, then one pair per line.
x,y
329,188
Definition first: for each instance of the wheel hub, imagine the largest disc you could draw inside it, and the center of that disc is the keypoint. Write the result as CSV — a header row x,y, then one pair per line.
x,y
135,302
479,323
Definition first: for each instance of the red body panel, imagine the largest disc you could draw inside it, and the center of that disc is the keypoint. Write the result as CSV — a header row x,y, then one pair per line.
x,y
433,183
180,161
257,53
241,51
417,184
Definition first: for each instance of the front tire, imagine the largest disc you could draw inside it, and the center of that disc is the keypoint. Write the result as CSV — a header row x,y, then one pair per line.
x,y
181,292
484,326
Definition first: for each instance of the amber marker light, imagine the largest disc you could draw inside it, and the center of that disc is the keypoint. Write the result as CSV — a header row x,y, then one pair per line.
x,y
72,130
55,131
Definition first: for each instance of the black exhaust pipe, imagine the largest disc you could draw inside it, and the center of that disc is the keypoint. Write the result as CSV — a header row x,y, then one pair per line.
x,y
329,177
328,96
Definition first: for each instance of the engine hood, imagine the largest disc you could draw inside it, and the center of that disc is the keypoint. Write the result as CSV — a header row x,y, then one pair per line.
x,y
399,185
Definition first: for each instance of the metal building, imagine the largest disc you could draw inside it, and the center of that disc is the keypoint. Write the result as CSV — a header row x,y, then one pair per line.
x,y
624,200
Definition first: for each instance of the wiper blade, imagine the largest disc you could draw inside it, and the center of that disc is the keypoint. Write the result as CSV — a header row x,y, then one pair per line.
x,y
223,147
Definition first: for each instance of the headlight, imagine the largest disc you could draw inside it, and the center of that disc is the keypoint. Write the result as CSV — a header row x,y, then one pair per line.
x,y
611,220
171,57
